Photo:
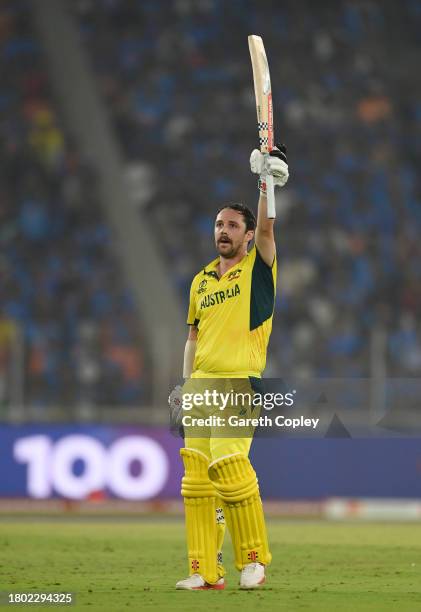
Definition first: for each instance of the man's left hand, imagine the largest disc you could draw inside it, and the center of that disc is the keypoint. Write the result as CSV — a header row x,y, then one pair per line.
x,y
274,163
175,403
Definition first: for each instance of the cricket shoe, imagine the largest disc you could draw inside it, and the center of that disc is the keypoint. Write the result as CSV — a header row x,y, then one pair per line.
x,y
252,576
195,582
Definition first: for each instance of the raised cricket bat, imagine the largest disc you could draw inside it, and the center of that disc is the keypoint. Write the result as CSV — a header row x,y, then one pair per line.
x,y
263,94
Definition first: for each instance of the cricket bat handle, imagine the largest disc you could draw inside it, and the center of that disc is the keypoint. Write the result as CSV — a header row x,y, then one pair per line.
x,y
270,195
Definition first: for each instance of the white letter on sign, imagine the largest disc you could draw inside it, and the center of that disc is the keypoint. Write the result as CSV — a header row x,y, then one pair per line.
x,y
154,467
35,451
66,452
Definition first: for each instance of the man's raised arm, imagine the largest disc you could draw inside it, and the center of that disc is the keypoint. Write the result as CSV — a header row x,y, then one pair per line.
x,y
275,164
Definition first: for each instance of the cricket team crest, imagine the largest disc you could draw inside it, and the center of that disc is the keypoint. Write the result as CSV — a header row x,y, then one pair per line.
x,y
234,275
202,286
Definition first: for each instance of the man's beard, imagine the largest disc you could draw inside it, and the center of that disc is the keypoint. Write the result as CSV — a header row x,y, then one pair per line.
x,y
229,254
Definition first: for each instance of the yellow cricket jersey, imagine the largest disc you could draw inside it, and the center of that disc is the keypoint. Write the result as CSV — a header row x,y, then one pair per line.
x,y
234,317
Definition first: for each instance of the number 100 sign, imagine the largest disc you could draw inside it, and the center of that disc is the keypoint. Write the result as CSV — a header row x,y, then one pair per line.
x,y
51,466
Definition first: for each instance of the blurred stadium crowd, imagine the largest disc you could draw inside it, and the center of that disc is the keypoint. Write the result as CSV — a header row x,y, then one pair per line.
x,y
177,81
59,276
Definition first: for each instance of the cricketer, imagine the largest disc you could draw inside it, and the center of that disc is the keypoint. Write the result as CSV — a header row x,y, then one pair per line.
x,y
230,321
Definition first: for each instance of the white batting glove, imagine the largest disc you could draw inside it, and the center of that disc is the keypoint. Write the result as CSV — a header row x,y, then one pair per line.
x,y
175,403
274,163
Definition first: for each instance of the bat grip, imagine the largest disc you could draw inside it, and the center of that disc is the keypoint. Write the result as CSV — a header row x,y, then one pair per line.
x,y
270,195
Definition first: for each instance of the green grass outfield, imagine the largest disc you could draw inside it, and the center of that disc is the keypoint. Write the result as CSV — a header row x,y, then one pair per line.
x,y
126,564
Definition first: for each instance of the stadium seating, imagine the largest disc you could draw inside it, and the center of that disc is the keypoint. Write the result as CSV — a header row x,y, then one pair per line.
x,y
60,278
177,81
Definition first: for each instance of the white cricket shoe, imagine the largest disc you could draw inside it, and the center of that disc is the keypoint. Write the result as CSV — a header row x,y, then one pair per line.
x,y
195,582
252,576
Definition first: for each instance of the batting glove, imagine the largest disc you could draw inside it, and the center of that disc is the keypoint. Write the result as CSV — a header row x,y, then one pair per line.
x,y
175,403
274,163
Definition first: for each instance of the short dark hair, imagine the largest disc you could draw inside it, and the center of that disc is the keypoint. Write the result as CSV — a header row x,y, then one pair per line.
x,y
248,215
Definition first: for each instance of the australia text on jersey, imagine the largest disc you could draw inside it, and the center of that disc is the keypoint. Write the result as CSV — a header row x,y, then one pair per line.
x,y
218,297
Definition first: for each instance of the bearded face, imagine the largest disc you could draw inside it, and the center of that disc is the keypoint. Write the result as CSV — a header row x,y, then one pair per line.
x,y
231,234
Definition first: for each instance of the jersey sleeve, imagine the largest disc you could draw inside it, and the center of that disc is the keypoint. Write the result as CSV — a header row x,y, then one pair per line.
x,y
263,288
191,316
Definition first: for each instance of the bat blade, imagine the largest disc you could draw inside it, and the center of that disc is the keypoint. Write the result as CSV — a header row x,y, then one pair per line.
x,y
264,108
